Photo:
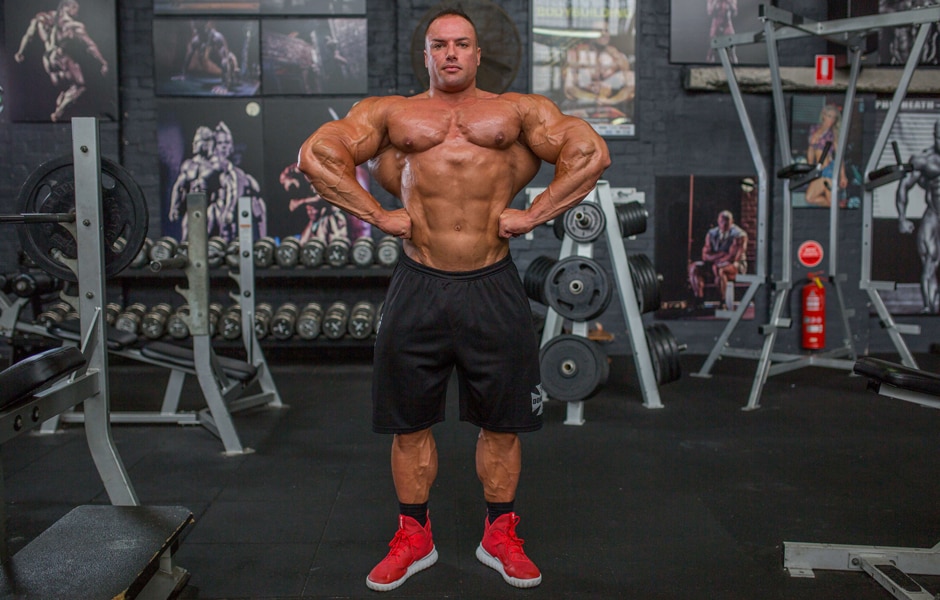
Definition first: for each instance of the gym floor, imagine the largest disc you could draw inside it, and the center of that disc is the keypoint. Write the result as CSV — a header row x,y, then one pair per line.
x,y
691,500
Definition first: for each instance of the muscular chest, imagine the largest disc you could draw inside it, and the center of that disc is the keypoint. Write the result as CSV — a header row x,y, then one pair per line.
x,y
482,125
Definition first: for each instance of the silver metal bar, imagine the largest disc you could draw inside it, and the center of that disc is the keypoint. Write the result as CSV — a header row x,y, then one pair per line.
x,y
86,159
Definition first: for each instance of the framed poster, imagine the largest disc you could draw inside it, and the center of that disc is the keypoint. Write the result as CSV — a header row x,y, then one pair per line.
x,y
64,60
294,208
693,24
706,233
213,146
206,7
815,121
894,43
314,56
206,57
313,7
584,57
906,213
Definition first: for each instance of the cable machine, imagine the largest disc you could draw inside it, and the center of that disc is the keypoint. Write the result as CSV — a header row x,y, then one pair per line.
x,y
781,25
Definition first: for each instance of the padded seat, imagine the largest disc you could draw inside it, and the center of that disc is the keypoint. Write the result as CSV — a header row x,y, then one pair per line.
x,y
898,375
23,379
183,357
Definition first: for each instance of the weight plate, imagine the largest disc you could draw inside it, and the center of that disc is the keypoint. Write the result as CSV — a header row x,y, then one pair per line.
x,y
577,288
534,278
664,353
645,282
585,222
51,189
632,217
573,368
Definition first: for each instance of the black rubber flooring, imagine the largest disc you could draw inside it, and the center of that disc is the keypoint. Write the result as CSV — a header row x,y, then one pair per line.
x,y
693,500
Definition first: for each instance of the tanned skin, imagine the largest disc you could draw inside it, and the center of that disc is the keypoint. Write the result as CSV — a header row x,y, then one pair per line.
x,y
456,156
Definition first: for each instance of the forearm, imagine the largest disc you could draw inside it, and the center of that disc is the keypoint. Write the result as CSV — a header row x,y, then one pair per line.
x,y
333,176
576,173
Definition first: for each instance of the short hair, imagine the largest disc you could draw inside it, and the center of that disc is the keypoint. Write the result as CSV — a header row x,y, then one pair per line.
x,y
727,214
453,11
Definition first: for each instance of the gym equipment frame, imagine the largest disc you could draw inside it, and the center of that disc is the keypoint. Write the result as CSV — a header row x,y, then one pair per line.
x,y
221,380
134,545
780,25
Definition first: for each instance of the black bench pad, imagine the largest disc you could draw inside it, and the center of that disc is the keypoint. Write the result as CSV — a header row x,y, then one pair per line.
x,y
898,375
28,376
71,331
95,552
183,357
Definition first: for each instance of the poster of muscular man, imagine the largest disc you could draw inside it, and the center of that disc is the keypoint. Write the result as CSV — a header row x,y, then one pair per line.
x,y
213,147
706,235
64,59
314,56
294,208
906,213
584,57
254,7
693,24
895,43
206,57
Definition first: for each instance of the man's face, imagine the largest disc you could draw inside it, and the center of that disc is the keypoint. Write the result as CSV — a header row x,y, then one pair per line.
x,y
223,144
724,223
451,54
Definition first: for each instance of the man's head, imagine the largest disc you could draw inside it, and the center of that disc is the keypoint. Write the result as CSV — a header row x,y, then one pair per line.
x,y
203,140
69,7
451,51
725,220
223,140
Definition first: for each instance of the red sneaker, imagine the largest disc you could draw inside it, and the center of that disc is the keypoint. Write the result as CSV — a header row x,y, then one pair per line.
x,y
412,550
502,550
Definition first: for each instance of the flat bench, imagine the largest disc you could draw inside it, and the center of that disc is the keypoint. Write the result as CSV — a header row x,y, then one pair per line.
x,y
899,381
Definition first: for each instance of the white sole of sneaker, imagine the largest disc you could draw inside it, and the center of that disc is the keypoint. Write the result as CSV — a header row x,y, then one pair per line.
x,y
418,565
492,562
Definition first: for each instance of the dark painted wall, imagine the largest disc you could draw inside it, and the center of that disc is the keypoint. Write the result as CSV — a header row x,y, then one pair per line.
x,y
678,133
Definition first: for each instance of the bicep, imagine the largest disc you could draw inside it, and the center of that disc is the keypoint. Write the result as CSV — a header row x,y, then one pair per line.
x,y
549,133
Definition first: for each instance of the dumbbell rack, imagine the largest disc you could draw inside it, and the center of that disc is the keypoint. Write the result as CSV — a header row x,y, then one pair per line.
x,y
603,196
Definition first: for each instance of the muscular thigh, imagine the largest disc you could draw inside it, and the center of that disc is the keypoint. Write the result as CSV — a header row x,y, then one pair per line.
x,y
928,239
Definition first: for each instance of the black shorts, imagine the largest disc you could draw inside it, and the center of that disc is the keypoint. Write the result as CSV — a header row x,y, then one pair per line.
x,y
478,322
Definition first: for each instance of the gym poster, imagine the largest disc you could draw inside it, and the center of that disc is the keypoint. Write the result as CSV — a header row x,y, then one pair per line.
x,y
693,24
905,257
815,119
247,147
64,60
264,7
584,59
687,208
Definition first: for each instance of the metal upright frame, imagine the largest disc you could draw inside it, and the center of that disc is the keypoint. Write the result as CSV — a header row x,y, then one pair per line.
x,y
781,25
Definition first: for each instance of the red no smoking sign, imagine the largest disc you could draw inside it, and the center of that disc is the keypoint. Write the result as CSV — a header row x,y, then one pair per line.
x,y
810,253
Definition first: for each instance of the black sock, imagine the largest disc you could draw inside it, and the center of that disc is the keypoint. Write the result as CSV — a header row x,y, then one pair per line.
x,y
418,512
495,510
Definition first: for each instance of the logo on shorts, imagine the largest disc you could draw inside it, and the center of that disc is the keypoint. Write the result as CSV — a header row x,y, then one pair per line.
x,y
537,400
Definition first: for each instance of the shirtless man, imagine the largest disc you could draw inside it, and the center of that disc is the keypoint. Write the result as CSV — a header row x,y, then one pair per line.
x,y
198,173
456,156
723,254
62,36
926,174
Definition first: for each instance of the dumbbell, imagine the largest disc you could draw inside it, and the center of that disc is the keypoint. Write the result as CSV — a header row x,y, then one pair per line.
x,y
215,313
111,312
28,285
337,252
163,249
230,323
143,257
130,318
232,254
177,324
263,252
361,320
335,320
216,249
387,251
362,252
264,312
54,314
309,321
288,253
312,253
284,320
153,325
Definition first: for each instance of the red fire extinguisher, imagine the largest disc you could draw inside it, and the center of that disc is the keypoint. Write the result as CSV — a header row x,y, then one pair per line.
x,y
814,313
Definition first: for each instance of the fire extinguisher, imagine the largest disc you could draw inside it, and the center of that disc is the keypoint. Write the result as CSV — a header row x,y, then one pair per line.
x,y
814,313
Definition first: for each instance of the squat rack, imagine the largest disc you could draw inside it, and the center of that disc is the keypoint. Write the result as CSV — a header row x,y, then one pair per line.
x,y
782,25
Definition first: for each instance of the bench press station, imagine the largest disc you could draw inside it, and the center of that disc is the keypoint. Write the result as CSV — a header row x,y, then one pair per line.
x,y
97,551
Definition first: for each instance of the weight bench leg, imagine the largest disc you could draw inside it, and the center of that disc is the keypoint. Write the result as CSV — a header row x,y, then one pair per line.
x,y
220,422
174,389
